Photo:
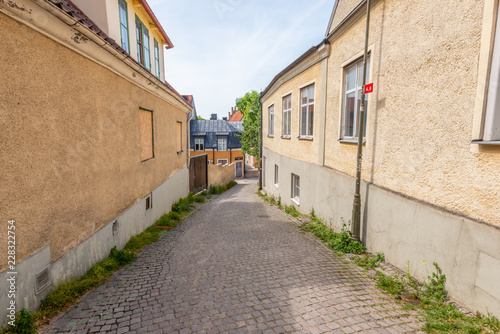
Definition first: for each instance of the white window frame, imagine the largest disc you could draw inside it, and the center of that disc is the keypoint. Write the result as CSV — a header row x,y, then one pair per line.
x,y
309,125
287,116
295,196
199,144
276,175
221,144
357,90
270,130
222,161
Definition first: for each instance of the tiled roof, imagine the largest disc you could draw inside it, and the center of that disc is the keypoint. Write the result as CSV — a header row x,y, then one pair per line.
x,y
71,9
219,127
68,7
237,116
210,130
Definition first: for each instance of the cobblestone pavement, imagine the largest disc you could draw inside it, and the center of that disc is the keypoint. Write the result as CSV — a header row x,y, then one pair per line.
x,y
237,265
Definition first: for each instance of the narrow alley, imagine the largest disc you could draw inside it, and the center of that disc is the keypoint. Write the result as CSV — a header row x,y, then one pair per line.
x,y
237,265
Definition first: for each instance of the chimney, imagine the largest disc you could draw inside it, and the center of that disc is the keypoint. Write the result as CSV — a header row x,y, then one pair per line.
x,y
213,117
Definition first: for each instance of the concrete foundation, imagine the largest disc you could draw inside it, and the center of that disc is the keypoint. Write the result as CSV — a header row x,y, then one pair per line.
x,y
409,232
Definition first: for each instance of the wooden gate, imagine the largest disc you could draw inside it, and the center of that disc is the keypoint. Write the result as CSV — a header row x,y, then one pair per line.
x,y
198,173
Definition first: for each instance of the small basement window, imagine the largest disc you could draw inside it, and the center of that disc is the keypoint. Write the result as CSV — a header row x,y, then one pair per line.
x,y
149,202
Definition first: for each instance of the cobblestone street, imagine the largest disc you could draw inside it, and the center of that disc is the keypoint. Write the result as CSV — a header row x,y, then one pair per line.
x,y
237,265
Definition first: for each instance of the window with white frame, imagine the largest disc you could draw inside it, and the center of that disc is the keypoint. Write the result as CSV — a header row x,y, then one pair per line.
x,y
353,82
271,121
287,115
199,144
307,111
221,144
276,178
222,161
491,129
295,188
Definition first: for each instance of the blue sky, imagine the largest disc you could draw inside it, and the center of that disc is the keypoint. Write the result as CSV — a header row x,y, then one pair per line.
x,y
225,48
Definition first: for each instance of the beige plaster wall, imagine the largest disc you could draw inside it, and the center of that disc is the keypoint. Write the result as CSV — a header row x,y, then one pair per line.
x,y
305,150
71,155
344,8
220,175
424,61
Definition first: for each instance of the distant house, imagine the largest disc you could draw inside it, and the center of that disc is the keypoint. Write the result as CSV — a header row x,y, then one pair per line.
x,y
96,146
218,139
235,115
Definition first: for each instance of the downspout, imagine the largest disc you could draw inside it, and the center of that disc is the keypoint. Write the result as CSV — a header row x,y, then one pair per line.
x,y
188,130
230,155
356,207
213,156
260,143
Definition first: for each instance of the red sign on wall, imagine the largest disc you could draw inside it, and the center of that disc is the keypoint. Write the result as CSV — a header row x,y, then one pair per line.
x,y
369,88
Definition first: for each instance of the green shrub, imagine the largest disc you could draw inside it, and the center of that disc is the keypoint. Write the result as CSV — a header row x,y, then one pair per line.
x,y
291,210
199,199
123,257
24,323
341,241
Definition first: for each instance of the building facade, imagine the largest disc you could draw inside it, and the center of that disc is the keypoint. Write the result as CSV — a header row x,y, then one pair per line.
x,y
94,141
219,140
431,150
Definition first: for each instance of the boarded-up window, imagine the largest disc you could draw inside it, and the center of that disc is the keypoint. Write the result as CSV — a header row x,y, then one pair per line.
x,y
179,136
146,124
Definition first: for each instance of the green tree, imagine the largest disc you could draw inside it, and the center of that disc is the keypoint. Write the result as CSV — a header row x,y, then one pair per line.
x,y
249,106
200,118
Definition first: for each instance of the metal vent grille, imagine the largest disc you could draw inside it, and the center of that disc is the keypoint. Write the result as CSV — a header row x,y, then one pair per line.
x,y
116,227
42,280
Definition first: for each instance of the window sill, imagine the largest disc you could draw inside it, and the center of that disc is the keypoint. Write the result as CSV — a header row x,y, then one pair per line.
x,y
305,138
270,136
276,185
480,142
295,200
351,141
286,137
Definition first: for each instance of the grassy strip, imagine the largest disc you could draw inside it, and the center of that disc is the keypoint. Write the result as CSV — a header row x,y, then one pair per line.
x,y
338,241
67,293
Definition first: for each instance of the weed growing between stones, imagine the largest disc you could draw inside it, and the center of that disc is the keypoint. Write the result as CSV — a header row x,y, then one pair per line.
x,y
369,262
431,298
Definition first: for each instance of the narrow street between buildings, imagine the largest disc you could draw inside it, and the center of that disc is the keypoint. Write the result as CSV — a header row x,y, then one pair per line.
x,y
237,265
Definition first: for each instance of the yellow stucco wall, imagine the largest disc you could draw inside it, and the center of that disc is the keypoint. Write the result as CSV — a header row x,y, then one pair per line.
x,y
424,61
214,155
305,150
71,155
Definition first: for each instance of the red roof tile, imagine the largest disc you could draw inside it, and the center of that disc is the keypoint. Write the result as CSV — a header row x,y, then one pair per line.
x,y
236,117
